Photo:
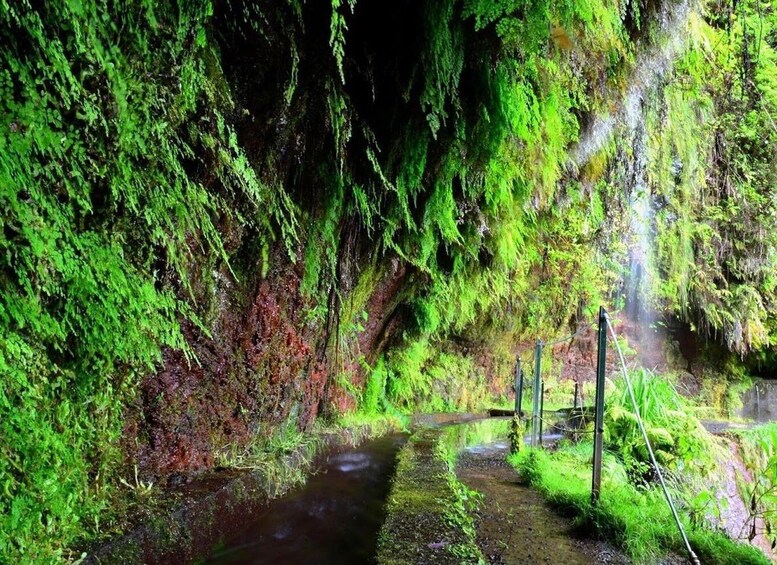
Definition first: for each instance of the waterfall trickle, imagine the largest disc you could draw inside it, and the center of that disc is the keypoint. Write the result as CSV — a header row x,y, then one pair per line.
x,y
627,122
640,276
759,402
651,66
640,294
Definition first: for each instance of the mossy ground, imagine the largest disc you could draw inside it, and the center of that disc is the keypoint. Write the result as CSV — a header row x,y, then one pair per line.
x,y
420,526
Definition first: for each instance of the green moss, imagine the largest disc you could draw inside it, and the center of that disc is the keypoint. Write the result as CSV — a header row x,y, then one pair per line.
x,y
95,191
427,504
708,165
137,158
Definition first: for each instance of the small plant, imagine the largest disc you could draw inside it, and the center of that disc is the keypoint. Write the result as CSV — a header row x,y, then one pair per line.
x,y
459,509
759,451
142,489
267,451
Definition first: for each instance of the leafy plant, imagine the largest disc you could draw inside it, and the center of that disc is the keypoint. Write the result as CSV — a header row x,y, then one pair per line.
x,y
677,438
759,451
463,502
139,487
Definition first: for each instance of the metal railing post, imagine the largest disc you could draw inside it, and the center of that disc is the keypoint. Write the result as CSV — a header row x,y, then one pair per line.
x,y
518,389
601,362
536,399
542,406
576,401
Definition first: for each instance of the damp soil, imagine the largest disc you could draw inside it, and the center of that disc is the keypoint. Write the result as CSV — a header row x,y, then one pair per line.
x,y
514,523
333,519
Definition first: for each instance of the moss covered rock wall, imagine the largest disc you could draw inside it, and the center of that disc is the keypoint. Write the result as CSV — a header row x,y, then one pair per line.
x,y
221,216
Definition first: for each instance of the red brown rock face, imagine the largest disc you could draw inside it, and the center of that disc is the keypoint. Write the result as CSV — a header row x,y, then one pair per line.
x,y
264,361
257,366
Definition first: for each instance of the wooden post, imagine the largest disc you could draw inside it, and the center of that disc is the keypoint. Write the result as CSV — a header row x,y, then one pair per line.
x,y
599,407
536,402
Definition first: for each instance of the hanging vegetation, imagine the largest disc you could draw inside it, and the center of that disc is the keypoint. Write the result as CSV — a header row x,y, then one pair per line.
x,y
219,216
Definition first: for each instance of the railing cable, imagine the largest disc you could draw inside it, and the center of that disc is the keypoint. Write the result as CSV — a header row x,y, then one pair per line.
x,y
580,328
660,475
528,361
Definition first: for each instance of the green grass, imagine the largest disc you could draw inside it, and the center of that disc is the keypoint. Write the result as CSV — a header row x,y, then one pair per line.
x,y
283,455
635,519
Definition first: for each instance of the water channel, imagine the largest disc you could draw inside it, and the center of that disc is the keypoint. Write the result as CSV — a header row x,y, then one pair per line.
x,y
336,516
333,519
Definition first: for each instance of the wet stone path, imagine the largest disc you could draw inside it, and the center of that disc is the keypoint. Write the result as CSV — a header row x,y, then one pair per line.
x,y
514,523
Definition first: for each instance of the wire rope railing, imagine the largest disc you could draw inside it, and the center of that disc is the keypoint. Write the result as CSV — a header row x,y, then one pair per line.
x,y
538,418
653,461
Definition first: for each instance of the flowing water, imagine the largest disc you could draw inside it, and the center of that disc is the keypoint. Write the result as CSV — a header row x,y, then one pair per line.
x,y
627,122
640,277
759,403
334,518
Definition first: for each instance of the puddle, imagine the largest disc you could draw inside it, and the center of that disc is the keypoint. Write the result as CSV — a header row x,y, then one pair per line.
x,y
333,519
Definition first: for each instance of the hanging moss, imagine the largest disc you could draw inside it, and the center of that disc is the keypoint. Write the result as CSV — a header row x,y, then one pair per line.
x,y
108,116
146,154
712,165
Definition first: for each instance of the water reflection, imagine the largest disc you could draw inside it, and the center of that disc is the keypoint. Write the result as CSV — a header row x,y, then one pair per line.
x,y
477,434
333,519
348,462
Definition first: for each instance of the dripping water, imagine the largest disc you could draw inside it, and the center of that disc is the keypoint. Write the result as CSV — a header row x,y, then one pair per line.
x,y
628,122
759,402
651,66
640,277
